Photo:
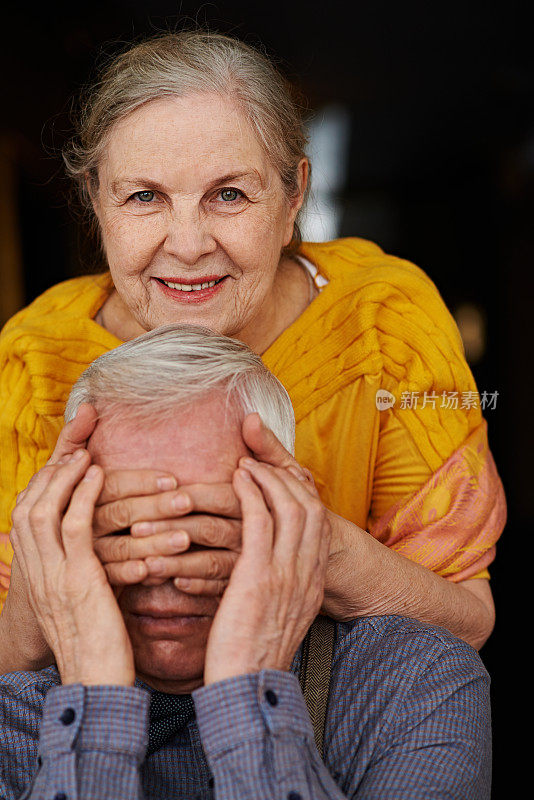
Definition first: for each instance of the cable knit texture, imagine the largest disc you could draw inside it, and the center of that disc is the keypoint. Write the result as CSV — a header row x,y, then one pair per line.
x,y
379,323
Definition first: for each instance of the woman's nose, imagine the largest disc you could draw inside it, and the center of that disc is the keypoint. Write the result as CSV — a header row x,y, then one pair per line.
x,y
188,237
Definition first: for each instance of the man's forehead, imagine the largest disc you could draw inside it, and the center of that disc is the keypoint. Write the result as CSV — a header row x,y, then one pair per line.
x,y
198,443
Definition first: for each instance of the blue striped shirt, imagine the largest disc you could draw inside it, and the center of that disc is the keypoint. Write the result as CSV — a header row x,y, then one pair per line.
x,y
408,718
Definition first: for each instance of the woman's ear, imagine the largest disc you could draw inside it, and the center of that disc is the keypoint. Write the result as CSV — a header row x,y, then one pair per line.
x,y
303,172
295,203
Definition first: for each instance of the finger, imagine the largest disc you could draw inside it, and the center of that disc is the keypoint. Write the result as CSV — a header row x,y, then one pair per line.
x,y
123,513
287,510
213,498
126,573
207,564
21,536
200,586
258,527
304,475
77,525
264,444
218,500
202,529
46,514
75,433
316,527
36,486
135,483
127,548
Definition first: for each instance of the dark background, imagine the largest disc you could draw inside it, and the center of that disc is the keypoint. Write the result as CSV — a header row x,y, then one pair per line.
x,y
441,171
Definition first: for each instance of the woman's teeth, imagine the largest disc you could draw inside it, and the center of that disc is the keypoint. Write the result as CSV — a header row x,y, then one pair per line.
x,y
189,287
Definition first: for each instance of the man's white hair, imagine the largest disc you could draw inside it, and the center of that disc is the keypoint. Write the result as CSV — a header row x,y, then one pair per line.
x,y
175,366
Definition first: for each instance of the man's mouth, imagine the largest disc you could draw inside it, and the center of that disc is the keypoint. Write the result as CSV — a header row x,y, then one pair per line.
x,y
157,625
156,614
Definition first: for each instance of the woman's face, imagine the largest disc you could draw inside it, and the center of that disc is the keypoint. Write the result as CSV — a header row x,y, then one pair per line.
x,y
193,216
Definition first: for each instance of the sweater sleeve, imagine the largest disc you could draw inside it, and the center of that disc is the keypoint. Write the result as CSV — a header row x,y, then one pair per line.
x,y
433,465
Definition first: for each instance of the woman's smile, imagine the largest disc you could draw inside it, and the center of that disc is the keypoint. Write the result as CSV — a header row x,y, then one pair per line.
x,y
191,290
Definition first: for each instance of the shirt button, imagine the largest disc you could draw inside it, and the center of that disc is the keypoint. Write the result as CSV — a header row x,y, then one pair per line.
x,y
272,699
294,796
68,716
60,796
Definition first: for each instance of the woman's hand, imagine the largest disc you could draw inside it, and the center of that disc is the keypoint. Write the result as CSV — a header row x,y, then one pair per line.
x,y
191,534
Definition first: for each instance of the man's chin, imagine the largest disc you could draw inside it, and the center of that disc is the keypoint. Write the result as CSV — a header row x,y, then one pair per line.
x,y
171,658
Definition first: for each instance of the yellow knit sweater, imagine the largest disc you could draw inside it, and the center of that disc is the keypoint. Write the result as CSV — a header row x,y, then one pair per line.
x,y
379,323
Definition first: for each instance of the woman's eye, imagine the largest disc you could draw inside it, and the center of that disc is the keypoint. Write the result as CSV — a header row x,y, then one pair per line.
x,y
144,197
228,195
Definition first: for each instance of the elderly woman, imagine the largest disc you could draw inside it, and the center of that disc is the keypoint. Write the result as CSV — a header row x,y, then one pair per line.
x,y
190,154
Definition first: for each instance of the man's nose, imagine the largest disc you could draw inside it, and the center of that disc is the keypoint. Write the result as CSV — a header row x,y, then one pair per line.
x,y
188,235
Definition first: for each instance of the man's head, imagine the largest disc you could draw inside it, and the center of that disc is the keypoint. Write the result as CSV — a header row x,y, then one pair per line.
x,y
175,400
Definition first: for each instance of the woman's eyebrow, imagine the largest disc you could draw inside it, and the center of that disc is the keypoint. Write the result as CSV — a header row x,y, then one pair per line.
x,y
252,175
132,183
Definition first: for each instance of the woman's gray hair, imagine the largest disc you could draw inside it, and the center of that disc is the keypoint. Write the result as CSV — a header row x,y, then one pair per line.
x,y
176,365
183,63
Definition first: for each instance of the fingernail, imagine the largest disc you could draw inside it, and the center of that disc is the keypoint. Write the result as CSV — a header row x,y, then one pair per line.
x,y
182,583
181,501
91,473
297,473
138,570
155,566
244,474
167,483
77,455
143,528
247,462
179,539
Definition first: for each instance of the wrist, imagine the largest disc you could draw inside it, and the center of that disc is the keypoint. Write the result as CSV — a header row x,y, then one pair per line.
x,y
232,668
347,574
91,668
21,648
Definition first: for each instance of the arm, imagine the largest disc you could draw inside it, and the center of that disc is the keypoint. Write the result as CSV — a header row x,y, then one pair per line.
x,y
435,743
256,750
363,575
366,577
22,645
388,583
92,742
433,709
252,718
76,610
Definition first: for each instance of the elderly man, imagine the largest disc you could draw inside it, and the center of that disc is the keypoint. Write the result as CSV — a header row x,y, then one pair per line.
x,y
160,693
